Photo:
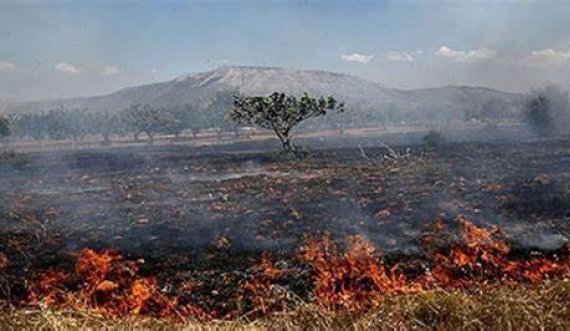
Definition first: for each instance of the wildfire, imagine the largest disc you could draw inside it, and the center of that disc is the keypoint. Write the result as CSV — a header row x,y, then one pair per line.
x,y
105,282
4,261
358,278
352,275
259,293
483,255
354,280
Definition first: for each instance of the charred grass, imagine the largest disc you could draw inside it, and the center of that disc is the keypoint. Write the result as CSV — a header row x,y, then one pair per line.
x,y
183,215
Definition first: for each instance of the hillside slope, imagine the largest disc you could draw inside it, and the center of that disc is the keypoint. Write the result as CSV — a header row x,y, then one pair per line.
x,y
357,93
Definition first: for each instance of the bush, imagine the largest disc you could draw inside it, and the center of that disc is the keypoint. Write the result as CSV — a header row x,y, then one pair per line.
x,y
4,127
434,139
547,111
13,159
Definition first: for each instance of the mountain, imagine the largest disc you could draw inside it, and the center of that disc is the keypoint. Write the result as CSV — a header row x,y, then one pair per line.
x,y
4,102
358,93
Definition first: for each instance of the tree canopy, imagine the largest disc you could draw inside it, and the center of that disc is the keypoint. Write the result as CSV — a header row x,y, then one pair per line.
x,y
547,110
4,127
280,112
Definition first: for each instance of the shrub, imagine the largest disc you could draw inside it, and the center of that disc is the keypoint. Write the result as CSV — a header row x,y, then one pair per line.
x,y
434,139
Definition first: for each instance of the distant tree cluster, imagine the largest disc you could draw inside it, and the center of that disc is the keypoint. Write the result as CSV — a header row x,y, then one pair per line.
x,y
4,127
277,112
75,124
547,111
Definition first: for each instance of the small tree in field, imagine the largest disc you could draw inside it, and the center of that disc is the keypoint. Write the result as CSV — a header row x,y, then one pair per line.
x,y
280,112
144,118
4,128
547,110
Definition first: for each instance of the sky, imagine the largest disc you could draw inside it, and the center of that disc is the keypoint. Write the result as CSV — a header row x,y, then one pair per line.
x,y
54,49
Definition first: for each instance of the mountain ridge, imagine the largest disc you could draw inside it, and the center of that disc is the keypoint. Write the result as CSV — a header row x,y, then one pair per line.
x,y
200,88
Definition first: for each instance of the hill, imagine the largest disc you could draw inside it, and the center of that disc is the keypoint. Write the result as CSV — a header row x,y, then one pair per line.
x,y
369,98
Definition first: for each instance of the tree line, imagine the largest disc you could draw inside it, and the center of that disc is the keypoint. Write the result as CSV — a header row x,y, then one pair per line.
x,y
140,120
546,110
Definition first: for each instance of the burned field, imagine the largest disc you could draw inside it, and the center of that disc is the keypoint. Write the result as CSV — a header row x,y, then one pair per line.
x,y
176,231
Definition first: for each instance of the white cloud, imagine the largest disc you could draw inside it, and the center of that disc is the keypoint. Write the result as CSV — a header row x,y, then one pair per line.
x,y
480,54
549,56
66,68
399,57
7,66
111,71
355,57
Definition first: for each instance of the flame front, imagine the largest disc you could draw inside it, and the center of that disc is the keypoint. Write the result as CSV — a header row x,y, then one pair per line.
x,y
355,278
105,282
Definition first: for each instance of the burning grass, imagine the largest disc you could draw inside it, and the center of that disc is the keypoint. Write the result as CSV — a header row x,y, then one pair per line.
x,y
542,306
467,276
103,281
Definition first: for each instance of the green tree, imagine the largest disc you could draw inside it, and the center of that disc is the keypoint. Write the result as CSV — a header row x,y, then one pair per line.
x,y
78,122
144,118
106,124
29,125
4,127
57,124
218,115
182,117
173,120
36,126
547,110
281,113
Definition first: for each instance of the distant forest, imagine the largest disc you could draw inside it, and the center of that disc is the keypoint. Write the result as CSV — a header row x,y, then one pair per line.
x,y
143,120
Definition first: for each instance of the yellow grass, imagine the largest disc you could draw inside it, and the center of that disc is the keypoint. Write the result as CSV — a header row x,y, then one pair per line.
x,y
546,306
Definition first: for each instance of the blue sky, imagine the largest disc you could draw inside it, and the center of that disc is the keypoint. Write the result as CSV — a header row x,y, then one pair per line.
x,y
54,49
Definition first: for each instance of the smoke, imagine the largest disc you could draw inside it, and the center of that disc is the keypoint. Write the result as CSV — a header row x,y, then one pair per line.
x,y
236,198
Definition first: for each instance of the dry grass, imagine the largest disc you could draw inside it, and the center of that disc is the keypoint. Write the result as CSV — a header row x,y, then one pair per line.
x,y
546,306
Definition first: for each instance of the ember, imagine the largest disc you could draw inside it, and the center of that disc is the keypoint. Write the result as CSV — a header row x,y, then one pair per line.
x,y
4,261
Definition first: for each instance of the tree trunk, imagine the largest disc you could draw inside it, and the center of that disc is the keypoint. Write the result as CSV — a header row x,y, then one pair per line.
x,y
286,142
287,145
106,140
284,137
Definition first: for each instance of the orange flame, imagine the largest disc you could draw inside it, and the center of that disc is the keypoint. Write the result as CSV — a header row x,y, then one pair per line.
x,y
353,276
102,281
354,280
483,255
